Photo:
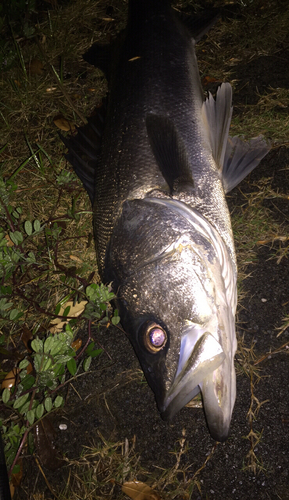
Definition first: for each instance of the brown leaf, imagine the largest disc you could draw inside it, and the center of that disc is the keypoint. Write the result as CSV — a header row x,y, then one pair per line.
x,y
36,67
9,241
12,489
76,259
76,344
75,311
209,79
63,124
10,379
139,491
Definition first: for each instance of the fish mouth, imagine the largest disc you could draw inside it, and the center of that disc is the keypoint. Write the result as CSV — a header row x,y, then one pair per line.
x,y
198,369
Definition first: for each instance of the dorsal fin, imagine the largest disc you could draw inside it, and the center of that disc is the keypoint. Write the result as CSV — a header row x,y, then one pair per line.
x,y
199,24
84,149
235,158
169,151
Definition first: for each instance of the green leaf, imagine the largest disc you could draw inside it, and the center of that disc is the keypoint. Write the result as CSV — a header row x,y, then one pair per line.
x,y
6,395
23,364
31,416
96,352
13,314
37,345
72,367
89,348
20,401
49,343
16,237
16,469
37,226
47,364
48,404
58,401
28,382
66,311
39,411
4,305
57,309
24,409
87,363
57,347
31,257
115,320
37,361
28,227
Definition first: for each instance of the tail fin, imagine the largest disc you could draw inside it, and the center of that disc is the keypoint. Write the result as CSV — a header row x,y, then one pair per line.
x,y
241,158
235,158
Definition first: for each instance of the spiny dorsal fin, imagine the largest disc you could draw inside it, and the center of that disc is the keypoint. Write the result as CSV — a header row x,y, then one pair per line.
x,y
169,151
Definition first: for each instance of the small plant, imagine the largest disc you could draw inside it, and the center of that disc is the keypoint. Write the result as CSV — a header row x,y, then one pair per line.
x,y
29,258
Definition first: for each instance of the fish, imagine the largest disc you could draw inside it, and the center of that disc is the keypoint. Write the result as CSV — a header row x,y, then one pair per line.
x,y
157,161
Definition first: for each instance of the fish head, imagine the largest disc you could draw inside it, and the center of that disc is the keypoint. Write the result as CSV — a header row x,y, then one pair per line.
x,y
167,275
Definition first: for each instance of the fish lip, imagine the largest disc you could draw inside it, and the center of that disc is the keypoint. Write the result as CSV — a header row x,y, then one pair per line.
x,y
205,357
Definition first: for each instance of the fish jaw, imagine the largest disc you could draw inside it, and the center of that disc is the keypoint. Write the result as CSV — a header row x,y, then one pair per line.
x,y
206,355
206,366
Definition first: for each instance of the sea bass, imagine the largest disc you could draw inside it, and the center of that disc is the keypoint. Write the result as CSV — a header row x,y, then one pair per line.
x,y
157,170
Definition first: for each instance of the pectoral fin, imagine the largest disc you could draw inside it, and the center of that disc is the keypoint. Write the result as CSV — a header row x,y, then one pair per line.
x,y
169,151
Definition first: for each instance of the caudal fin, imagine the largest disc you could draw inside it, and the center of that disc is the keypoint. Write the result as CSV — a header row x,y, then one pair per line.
x,y
234,157
241,158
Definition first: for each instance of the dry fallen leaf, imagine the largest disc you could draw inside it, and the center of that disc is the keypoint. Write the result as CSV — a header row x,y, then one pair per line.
x,y
73,257
63,124
139,491
76,344
9,241
36,67
74,312
10,379
12,489
209,79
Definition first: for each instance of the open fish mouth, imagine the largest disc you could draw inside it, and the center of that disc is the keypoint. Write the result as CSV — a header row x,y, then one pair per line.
x,y
205,357
207,367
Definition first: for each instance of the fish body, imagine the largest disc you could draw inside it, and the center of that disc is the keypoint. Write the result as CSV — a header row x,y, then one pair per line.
x,y
157,180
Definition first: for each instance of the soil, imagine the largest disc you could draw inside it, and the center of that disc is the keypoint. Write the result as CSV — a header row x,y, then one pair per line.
x,y
114,401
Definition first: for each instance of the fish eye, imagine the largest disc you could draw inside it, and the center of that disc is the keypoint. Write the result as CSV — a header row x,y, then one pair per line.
x,y
155,337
